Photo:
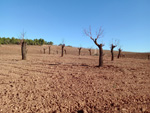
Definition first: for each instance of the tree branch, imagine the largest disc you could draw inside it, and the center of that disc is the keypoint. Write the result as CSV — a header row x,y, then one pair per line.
x,y
89,34
100,32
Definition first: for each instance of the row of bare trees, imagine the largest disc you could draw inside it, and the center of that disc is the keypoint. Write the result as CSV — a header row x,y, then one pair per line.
x,y
99,34
64,50
88,33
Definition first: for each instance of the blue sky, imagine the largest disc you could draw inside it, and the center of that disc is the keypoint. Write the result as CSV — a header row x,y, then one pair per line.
x,y
56,20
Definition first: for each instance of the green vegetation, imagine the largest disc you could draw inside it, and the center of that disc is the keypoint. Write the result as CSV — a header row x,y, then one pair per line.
x,y
14,40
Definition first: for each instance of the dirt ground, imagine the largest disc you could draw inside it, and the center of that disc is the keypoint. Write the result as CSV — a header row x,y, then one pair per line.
x,y
71,84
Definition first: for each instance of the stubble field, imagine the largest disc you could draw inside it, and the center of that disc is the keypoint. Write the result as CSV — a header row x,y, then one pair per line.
x,y
71,84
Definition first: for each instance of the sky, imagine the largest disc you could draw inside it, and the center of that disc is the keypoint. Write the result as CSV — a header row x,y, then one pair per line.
x,y
127,21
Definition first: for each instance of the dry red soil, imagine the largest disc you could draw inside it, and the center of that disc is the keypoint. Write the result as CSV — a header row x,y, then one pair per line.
x,y
71,84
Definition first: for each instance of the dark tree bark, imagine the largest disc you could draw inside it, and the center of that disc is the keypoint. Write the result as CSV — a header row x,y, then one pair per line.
x,y
24,50
100,55
148,57
62,51
119,53
44,50
100,46
80,50
112,52
49,49
90,51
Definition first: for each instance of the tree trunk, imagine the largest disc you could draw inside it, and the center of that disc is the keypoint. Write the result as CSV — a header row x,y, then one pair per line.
x,y
23,50
100,56
44,50
119,54
49,50
90,51
79,50
112,52
62,51
148,57
112,55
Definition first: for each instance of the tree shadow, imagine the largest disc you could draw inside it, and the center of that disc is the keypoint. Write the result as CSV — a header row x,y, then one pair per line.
x,y
85,65
97,66
54,64
80,111
15,59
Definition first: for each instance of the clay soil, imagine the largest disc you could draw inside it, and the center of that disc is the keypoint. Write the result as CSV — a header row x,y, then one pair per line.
x,y
71,84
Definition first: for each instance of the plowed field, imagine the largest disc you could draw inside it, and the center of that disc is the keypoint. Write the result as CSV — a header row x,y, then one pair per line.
x,y
71,84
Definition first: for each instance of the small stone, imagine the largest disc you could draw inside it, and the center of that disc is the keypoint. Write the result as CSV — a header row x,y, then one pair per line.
x,y
112,104
80,111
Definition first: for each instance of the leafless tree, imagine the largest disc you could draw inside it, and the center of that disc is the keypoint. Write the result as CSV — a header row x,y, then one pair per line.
x,y
90,51
49,49
44,50
100,46
80,50
23,46
62,51
112,50
24,50
119,53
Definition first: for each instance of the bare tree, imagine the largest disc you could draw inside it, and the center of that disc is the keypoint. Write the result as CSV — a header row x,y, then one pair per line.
x,y
49,49
80,50
62,51
23,47
44,50
24,50
100,46
112,50
90,51
119,53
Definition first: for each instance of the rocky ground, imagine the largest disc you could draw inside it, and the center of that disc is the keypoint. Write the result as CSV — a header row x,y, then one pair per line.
x,y
72,84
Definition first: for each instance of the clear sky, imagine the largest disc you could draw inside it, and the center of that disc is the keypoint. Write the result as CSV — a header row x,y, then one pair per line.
x,y
56,20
